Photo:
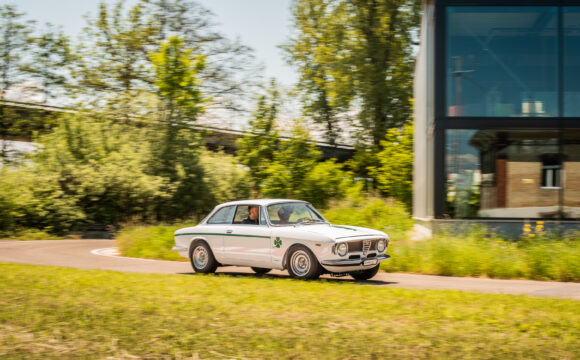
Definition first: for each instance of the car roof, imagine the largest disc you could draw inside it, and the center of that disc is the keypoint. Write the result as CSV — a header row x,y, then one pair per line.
x,y
262,202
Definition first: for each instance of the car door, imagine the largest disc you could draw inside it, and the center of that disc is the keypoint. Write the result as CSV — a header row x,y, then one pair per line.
x,y
215,229
247,243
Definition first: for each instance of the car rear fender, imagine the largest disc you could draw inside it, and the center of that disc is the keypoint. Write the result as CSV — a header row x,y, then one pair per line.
x,y
196,240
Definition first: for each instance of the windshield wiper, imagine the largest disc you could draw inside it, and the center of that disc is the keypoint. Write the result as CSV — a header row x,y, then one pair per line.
x,y
310,221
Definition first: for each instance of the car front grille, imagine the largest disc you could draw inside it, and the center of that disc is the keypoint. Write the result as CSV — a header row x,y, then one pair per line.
x,y
366,246
363,246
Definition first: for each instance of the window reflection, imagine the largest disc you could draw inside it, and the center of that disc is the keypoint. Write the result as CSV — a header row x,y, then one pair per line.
x,y
571,173
572,61
502,61
513,173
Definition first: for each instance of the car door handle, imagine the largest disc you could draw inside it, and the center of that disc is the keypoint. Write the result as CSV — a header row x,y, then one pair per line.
x,y
229,231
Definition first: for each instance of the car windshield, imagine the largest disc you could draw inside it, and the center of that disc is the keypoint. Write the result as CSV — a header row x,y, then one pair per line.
x,y
292,213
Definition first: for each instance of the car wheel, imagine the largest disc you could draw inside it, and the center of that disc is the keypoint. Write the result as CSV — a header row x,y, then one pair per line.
x,y
302,264
365,274
261,271
202,259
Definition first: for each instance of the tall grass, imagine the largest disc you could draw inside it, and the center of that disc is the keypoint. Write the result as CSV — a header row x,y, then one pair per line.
x,y
542,258
149,242
376,213
474,253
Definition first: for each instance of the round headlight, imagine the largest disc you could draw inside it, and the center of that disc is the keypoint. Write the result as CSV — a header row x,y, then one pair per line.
x,y
342,249
381,245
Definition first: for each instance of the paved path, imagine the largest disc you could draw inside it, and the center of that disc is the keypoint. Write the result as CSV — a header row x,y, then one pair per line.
x,y
82,254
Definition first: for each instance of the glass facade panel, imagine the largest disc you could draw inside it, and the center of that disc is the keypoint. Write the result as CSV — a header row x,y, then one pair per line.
x,y
508,173
502,61
571,61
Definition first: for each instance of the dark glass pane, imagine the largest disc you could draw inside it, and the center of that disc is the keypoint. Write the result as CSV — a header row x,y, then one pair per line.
x,y
503,173
571,173
502,61
572,61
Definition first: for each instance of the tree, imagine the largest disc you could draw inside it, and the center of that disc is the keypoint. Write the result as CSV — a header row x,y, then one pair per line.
x,y
326,84
176,79
256,150
287,174
114,51
356,53
230,72
394,175
176,156
14,44
33,62
117,68
51,55
298,172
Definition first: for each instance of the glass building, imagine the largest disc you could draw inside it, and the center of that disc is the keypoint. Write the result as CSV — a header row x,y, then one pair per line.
x,y
497,113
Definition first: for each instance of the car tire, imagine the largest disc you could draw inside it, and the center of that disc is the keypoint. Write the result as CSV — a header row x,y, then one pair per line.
x,y
261,271
201,258
365,274
302,264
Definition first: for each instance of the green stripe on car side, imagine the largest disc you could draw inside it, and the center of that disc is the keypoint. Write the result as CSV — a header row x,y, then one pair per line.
x,y
254,236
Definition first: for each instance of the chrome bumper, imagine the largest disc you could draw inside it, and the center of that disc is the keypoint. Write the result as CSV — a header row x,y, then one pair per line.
x,y
353,262
179,248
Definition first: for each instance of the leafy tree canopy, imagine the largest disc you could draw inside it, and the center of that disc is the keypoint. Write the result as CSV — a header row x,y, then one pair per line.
x,y
355,55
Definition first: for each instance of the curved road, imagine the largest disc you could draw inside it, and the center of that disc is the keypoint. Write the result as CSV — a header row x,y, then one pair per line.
x,y
81,254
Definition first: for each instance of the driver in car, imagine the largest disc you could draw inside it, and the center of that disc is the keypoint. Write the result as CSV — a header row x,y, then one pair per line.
x,y
252,218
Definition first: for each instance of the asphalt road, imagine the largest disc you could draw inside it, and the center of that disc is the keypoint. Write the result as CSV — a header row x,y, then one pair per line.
x,y
97,254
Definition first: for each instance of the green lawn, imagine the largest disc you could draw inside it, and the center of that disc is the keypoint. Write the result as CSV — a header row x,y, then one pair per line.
x,y
48,312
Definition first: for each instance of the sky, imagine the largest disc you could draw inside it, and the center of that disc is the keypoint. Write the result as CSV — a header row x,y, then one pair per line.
x,y
260,24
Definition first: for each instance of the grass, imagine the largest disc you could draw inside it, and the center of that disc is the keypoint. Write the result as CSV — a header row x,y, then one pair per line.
x,y
149,242
33,234
155,242
48,312
376,213
475,255
472,254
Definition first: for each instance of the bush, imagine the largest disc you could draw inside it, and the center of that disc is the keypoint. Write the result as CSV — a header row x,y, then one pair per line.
x,y
31,234
381,214
35,200
227,179
149,242
394,173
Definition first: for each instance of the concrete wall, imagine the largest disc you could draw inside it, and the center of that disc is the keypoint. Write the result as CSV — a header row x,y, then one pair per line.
x,y
423,112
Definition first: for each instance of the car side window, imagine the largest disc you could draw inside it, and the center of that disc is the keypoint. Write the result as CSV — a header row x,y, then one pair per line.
x,y
223,216
247,215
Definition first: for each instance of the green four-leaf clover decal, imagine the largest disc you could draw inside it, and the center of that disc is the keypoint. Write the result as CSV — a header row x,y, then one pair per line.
x,y
277,242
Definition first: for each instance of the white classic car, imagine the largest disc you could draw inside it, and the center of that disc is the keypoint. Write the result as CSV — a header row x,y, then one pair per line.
x,y
281,234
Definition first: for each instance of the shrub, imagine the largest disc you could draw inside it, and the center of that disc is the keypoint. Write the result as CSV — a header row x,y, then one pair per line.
x,y
394,173
381,214
227,179
150,242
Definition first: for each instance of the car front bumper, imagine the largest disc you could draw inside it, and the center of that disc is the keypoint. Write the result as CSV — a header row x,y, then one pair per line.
x,y
346,265
181,250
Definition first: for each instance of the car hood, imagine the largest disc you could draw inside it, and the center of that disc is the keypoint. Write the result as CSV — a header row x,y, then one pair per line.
x,y
340,232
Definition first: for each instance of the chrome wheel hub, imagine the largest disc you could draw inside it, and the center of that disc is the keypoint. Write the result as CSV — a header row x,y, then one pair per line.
x,y
300,263
200,257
